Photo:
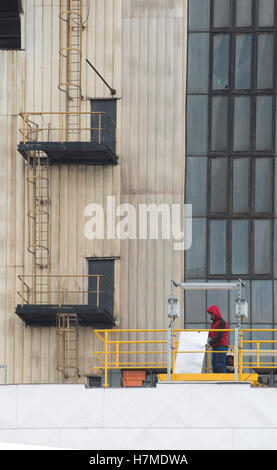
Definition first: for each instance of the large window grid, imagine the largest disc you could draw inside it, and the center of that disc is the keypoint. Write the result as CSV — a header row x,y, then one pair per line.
x,y
238,142
241,110
258,293
226,15
237,203
241,124
235,186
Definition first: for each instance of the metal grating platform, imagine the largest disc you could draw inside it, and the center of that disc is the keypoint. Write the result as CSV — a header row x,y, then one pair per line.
x,y
88,153
45,315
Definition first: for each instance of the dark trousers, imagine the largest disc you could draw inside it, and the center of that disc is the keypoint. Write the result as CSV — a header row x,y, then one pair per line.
x,y
219,359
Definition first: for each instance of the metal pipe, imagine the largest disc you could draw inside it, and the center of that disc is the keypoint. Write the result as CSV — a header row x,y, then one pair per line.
x,y
170,335
207,285
112,90
106,360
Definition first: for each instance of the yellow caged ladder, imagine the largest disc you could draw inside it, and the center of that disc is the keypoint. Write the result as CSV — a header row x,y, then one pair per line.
x,y
38,202
71,28
38,180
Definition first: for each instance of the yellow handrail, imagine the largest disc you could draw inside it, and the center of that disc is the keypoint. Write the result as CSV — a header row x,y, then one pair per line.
x,y
72,288
44,126
119,352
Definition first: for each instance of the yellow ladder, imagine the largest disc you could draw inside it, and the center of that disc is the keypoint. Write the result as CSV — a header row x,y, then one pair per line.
x,y
67,346
38,203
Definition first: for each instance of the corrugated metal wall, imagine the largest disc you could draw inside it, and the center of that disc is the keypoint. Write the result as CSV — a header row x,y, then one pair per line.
x,y
140,48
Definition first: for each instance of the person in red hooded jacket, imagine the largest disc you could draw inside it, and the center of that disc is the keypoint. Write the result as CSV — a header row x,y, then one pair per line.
x,y
218,340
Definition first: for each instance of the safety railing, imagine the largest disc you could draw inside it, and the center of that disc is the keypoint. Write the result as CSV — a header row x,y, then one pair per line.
x,y
140,349
148,349
131,349
91,289
257,350
97,127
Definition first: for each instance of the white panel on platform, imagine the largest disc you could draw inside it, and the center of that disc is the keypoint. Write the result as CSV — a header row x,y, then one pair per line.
x,y
191,362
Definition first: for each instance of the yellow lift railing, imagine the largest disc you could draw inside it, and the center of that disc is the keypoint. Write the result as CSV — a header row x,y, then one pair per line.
x,y
147,349
256,349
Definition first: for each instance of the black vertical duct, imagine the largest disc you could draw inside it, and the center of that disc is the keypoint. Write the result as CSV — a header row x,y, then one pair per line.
x,y
10,28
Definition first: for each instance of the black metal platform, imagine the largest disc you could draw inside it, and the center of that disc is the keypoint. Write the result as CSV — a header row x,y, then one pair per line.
x,y
88,153
45,315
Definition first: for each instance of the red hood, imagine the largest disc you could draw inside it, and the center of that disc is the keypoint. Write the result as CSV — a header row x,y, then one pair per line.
x,y
215,311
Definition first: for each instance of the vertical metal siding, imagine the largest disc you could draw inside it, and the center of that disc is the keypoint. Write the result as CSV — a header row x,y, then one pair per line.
x,y
139,47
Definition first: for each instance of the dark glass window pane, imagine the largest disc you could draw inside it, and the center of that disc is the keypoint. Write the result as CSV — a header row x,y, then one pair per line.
x,y
217,246
195,305
263,185
240,185
264,123
275,257
221,12
220,61
196,256
265,61
196,326
197,110
219,123
263,336
240,247
219,298
219,184
275,309
196,184
243,61
242,123
275,186
198,62
199,14
261,301
275,127
243,13
262,246
266,13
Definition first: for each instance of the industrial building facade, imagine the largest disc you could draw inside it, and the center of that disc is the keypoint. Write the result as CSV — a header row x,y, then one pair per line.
x,y
114,103
231,149
139,49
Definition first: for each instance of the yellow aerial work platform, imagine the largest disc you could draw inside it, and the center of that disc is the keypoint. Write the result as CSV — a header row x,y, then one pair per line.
x,y
157,349
147,350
